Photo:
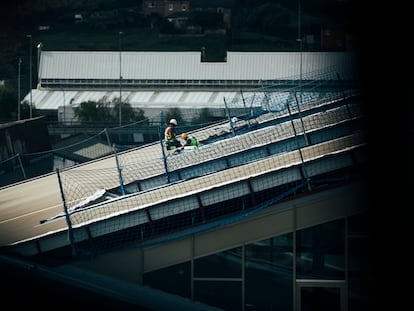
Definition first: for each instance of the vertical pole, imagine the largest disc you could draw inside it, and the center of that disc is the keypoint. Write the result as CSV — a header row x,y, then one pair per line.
x,y
120,78
21,166
164,157
348,110
107,137
346,266
192,267
30,74
244,102
121,181
251,105
267,100
341,84
64,105
243,291
39,51
245,108
301,120
228,115
68,221
71,110
300,50
294,267
18,90
304,172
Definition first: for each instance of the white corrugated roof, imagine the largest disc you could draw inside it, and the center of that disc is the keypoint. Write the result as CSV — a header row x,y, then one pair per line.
x,y
188,65
197,97
52,99
178,66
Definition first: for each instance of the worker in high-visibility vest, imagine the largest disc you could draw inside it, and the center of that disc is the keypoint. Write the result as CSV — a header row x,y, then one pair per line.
x,y
170,136
190,140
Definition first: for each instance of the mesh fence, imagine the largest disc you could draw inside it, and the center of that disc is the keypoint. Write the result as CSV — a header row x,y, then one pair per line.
x,y
25,166
248,105
71,151
291,142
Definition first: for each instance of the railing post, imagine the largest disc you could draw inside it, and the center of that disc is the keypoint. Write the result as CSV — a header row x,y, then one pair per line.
x,y
341,84
229,117
118,167
305,174
300,117
107,137
245,108
343,95
164,157
68,221
21,166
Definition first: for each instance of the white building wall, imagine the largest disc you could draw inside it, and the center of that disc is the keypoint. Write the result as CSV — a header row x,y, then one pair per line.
x,y
188,65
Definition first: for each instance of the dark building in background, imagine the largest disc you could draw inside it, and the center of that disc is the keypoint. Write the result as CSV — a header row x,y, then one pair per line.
x,y
24,150
24,136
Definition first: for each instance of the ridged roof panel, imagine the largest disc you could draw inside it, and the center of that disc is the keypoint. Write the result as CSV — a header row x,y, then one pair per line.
x,y
188,65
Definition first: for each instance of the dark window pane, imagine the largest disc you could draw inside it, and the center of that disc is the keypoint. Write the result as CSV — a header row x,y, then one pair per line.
x,y
223,294
175,279
321,251
226,264
269,274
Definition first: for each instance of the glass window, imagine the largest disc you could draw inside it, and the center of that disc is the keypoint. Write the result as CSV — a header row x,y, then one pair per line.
x,y
320,252
269,274
226,264
175,279
223,294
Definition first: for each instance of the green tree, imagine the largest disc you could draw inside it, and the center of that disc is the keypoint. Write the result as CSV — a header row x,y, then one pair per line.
x,y
105,112
91,111
128,114
174,113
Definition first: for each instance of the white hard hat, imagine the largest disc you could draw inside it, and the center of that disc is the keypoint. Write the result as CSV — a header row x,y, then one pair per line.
x,y
173,121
